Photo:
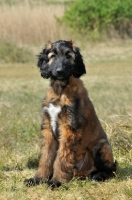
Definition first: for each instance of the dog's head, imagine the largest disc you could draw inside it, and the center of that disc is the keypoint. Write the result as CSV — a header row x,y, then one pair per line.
x,y
60,60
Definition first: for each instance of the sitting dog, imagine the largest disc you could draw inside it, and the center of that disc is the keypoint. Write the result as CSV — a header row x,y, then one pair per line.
x,y
74,142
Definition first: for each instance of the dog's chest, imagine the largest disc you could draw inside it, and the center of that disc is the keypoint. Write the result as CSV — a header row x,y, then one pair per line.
x,y
53,111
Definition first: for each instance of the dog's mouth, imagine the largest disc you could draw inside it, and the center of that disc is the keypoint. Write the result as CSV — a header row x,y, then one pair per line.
x,y
64,76
60,78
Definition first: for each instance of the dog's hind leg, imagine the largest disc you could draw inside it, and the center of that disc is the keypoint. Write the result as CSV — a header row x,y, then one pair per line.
x,y
47,157
103,161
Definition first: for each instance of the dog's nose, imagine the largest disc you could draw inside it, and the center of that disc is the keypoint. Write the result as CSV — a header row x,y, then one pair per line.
x,y
60,71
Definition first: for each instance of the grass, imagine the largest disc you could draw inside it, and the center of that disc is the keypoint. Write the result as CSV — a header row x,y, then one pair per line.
x,y
11,53
21,93
30,24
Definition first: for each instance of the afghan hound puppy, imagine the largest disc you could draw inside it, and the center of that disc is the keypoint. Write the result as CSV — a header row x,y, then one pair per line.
x,y
74,142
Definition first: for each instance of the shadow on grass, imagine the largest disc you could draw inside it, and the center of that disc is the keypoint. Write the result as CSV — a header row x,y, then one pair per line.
x,y
32,163
17,167
124,173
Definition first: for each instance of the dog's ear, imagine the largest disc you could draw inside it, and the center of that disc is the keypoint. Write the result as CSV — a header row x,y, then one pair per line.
x,y
43,60
79,69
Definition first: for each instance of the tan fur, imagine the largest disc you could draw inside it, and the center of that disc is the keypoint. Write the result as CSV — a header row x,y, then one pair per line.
x,y
49,44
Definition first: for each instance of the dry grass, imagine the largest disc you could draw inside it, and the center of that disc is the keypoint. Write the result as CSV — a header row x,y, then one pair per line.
x,y
26,24
109,51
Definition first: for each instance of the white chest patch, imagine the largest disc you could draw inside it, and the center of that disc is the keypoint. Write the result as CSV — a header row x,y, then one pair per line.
x,y
53,112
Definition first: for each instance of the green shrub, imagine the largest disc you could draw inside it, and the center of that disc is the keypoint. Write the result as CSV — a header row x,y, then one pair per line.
x,y
10,53
100,16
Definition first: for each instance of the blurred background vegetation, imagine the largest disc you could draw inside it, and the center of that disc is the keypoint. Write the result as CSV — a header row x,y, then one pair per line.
x,y
29,24
97,19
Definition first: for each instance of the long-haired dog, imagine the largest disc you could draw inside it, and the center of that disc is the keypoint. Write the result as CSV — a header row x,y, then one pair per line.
x,y
74,142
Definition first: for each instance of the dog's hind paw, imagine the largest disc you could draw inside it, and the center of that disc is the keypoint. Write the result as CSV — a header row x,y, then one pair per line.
x,y
101,176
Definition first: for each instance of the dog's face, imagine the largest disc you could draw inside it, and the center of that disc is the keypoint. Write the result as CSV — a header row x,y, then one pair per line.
x,y
60,60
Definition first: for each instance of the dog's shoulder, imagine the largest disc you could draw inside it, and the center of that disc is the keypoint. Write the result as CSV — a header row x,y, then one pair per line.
x,y
51,96
76,88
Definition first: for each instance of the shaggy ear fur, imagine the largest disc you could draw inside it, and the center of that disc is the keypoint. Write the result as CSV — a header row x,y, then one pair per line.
x,y
42,57
42,63
79,67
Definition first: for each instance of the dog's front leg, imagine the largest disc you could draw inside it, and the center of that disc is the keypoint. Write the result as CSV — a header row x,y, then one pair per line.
x,y
47,157
65,160
64,163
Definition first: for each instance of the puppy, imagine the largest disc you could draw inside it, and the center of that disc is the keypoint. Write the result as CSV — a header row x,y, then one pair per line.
x,y
74,142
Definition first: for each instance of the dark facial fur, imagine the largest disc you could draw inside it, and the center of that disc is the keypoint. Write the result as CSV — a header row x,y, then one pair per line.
x,y
60,60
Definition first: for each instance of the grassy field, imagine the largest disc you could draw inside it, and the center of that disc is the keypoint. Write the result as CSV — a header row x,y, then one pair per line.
x,y
21,93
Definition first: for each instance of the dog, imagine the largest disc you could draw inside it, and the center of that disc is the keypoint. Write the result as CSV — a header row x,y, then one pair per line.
x,y
74,142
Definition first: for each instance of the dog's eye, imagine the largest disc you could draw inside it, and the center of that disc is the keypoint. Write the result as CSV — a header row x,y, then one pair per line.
x,y
52,56
68,56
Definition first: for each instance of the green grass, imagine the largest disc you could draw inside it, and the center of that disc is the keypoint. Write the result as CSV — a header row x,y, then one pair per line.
x,y
21,93
10,52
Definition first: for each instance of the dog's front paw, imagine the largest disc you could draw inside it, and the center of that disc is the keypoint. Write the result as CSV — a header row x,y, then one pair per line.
x,y
34,181
54,184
